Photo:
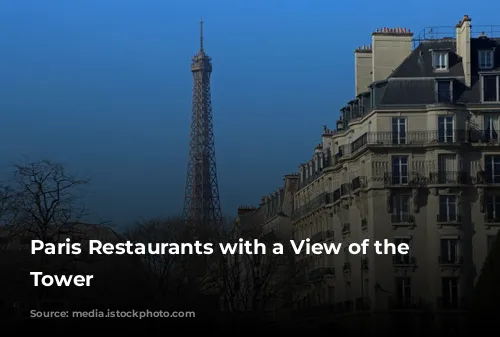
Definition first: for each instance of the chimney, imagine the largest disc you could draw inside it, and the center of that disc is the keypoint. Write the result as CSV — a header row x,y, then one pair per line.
x,y
243,210
390,47
362,68
463,46
340,124
318,148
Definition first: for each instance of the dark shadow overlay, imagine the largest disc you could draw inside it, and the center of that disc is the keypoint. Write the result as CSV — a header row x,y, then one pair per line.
x,y
227,293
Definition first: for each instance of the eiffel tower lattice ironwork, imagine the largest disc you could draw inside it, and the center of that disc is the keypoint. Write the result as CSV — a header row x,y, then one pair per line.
x,y
201,199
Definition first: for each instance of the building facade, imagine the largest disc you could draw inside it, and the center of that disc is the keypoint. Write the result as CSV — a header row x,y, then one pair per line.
x,y
414,158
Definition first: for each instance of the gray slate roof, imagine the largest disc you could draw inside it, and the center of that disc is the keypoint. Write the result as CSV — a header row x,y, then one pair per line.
x,y
413,82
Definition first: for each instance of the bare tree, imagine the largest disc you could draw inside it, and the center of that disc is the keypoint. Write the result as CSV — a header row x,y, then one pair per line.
x,y
8,214
47,200
259,283
181,280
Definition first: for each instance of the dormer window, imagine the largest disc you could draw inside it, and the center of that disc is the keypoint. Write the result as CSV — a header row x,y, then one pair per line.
x,y
444,91
490,88
485,59
440,60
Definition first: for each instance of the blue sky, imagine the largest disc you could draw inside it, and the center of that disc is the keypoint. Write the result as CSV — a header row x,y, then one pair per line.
x,y
104,86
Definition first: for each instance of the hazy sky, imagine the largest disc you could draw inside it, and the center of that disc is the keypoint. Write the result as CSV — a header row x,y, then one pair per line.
x,y
104,86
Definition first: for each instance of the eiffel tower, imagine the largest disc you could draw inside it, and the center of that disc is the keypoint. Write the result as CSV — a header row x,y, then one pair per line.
x,y
201,199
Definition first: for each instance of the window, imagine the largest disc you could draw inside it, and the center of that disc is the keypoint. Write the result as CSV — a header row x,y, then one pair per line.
x,y
493,208
449,251
490,240
444,91
400,170
490,88
450,292
492,169
403,291
490,128
400,209
486,59
398,130
447,208
440,60
400,258
446,168
445,129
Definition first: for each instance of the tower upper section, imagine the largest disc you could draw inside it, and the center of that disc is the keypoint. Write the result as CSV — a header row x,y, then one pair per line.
x,y
201,61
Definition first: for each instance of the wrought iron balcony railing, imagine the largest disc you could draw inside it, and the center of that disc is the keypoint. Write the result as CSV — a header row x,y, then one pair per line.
x,y
417,137
357,183
336,195
450,177
345,189
449,218
322,236
319,273
484,136
364,263
346,228
362,304
489,217
319,201
364,223
405,303
450,260
491,177
452,303
432,178
402,218
405,260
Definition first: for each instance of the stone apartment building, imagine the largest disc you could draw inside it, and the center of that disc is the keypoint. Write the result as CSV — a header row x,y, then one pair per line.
x,y
414,158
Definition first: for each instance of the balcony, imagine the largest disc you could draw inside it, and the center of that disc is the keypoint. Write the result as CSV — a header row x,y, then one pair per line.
x,y
449,219
406,303
404,260
451,303
320,273
402,219
396,180
347,267
416,138
358,183
320,201
346,229
364,263
491,219
359,143
450,260
490,178
310,178
450,178
336,195
345,190
322,236
484,137
364,224
362,304
413,138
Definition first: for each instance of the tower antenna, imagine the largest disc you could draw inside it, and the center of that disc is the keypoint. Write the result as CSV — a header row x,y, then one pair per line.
x,y
201,34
